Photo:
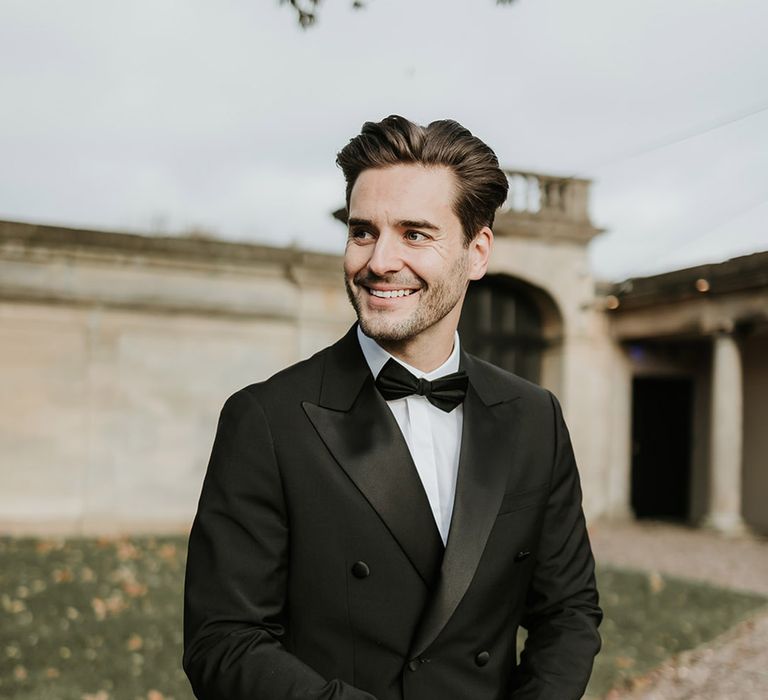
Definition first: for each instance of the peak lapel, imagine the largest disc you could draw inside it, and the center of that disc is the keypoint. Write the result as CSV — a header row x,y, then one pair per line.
x,y
359,430
487,453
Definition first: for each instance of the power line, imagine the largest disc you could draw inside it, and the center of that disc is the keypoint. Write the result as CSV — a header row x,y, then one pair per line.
x,y
681,137
698,235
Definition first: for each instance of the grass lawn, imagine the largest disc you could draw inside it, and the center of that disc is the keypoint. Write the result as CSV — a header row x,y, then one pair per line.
x,y
86,619
649,618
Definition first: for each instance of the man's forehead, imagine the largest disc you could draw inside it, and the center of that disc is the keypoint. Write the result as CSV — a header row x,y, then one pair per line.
x,y
406,192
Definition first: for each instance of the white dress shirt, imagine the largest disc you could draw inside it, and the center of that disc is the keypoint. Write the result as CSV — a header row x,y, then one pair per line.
x,y
432,435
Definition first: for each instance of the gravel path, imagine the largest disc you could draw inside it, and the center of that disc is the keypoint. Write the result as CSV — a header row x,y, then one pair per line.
x,y
739,563
735,665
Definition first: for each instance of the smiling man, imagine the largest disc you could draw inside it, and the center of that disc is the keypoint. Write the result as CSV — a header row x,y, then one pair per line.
x,y
378,520
407,277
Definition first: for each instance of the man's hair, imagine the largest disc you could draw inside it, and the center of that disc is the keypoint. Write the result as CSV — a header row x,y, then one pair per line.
x,y
481,184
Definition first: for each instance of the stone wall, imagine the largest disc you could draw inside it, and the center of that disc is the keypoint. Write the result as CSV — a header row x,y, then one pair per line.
x,y
117,352
116,355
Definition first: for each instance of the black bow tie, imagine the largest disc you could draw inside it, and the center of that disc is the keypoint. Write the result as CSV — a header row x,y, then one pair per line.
x,y
396,382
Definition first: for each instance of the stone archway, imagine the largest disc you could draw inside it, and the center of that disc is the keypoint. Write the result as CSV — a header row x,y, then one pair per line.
x,y
514,325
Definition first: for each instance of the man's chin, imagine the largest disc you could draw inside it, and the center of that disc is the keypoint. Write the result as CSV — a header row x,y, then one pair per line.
x,y
385,331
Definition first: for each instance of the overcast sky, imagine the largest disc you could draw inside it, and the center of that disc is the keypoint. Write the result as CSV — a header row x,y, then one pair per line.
x,y
163,115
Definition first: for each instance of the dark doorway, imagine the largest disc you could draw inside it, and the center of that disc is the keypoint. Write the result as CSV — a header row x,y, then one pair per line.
x,y
501,323
662,412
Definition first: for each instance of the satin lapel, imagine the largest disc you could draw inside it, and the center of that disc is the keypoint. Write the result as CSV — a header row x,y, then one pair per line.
x,y
366,441
487,454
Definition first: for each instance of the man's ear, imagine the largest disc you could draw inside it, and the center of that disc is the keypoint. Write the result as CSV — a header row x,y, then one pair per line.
x,y
480,253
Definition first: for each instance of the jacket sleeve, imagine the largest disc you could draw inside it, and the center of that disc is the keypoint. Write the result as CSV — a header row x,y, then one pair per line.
x,y
562,613
236,575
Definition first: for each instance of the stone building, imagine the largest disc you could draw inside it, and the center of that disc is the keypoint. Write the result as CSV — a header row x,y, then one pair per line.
x,y
116,354
696,345
118,350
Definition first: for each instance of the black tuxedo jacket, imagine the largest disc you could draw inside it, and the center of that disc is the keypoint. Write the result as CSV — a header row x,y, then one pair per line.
x,y
316,571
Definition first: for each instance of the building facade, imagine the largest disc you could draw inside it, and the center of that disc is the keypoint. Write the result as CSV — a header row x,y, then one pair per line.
x,y
696,341
118,350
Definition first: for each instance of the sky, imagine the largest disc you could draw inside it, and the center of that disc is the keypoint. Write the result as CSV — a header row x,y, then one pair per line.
x,y
168,116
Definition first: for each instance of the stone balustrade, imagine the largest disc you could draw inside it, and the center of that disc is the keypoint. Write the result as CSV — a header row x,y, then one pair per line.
x,y
547,195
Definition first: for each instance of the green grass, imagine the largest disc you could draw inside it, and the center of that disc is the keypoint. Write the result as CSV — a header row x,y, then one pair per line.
x,y
87,619
91,619
649,618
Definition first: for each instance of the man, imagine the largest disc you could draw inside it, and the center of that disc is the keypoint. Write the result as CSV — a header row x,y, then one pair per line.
x,y
378,520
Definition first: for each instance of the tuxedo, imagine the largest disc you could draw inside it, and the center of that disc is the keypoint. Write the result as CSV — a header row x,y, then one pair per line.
x,y
316,571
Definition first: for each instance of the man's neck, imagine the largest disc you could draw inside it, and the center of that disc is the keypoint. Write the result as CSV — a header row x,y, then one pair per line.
x,y
376,356
424,352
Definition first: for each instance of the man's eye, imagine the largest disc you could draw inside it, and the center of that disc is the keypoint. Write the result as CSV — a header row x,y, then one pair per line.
x,y
415,236
360,233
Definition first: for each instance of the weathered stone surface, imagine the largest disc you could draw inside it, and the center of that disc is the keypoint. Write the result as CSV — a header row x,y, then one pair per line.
x,y
117,351
116,355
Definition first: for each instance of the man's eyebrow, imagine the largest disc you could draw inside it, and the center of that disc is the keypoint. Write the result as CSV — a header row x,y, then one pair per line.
x,y
360,222
403,223
407,223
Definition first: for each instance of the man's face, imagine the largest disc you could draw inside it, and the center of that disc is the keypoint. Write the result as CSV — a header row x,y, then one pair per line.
x,y
405,266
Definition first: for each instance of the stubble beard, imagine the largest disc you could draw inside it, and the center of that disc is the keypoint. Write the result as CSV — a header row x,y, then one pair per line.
x,y
437,301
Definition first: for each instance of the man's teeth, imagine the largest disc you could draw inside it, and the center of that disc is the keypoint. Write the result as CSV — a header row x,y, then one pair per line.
x,y
391,293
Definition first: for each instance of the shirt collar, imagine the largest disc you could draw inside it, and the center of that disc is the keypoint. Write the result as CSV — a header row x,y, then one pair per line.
x,y
376,357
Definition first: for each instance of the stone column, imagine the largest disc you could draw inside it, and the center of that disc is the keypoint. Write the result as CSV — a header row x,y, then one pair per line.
x,y
725,458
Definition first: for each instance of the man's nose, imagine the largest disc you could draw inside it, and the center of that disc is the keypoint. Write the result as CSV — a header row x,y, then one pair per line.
x,y
386,256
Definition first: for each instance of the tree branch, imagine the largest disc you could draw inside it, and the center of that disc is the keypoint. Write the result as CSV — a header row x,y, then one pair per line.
x,y
306,10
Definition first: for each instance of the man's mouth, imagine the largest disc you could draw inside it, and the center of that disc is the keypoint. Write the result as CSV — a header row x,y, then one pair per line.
x,y
390,293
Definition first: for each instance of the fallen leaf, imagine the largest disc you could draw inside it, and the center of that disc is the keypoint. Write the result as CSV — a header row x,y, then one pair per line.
x,y
45,546
656,582
99,608
62,575
167,551
127,550
113,605
116,603
134,589
100,695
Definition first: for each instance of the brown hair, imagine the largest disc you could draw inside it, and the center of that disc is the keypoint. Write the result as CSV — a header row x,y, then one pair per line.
x,y
482,185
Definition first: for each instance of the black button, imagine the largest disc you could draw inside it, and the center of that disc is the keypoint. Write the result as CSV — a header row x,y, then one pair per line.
x,y
482,658
360,570
522,555
413,665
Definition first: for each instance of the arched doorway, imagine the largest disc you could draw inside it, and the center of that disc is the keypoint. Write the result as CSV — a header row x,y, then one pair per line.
x,y
511,324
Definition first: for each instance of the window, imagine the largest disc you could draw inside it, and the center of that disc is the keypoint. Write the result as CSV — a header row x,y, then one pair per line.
x,y
501,323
